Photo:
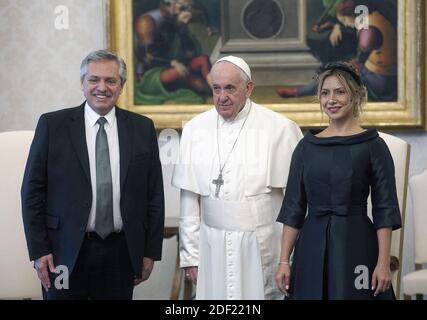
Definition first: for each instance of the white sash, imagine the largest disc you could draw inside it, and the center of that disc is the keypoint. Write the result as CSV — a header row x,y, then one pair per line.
x,y
229,215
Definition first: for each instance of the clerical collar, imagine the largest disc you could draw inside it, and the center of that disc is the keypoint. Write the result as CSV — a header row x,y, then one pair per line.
x,y
240,116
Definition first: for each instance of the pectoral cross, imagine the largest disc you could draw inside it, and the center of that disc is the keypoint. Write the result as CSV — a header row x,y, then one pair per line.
x,y
218,182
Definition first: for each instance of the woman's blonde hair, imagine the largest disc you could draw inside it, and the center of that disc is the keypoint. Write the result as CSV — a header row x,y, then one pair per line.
x,y
350,79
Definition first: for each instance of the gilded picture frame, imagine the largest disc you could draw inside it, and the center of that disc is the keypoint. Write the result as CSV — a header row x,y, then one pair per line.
x,y
408,112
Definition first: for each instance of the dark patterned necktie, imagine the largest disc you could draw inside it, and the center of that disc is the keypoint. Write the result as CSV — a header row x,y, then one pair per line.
x,y
104,224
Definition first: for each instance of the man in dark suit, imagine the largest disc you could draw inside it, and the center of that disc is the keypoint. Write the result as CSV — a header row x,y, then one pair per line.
x,y
92,194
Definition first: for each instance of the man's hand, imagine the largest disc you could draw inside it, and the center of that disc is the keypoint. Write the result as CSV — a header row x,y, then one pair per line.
x,y
41,265
147,267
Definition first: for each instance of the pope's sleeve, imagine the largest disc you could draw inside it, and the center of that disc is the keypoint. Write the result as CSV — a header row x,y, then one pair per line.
x,y
184,174
385,206
286,138
294,204
189,226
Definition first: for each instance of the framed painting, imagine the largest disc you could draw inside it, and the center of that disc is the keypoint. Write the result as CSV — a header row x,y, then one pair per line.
x,y
283,41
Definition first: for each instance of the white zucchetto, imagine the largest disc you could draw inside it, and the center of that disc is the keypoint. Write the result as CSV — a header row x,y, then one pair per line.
x,y
238,62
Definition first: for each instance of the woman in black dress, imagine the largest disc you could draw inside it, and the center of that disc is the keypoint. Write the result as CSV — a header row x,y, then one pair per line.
x,y
338,252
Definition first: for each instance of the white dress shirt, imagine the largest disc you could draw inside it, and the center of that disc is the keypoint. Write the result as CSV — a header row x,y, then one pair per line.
x,y
113,146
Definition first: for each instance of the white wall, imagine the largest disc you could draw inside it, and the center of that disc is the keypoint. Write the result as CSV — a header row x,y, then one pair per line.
x,y
40,64
40,73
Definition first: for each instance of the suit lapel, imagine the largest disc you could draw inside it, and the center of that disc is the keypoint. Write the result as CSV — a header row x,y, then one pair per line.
x,y
78,138
124,128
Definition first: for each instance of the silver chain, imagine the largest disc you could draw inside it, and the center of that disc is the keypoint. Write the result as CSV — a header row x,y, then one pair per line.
x,y
235,141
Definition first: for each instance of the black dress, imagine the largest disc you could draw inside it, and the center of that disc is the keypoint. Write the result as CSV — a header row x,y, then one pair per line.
x,y
337,243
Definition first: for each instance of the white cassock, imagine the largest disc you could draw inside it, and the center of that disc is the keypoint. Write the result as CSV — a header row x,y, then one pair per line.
x,y
234,238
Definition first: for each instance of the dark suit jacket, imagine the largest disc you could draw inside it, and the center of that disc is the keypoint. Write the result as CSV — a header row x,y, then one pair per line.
x,y
57,194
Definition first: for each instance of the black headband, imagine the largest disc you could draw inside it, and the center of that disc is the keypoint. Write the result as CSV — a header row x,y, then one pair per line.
x,y
343,67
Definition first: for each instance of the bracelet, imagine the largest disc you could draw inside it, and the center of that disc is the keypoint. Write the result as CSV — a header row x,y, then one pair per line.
x,y
284,262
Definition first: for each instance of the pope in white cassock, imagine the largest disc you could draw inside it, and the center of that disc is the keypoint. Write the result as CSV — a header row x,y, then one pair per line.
x,y
232,171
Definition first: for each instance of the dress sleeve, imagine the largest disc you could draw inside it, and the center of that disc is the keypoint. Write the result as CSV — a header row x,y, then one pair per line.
x,y
385,206
294,206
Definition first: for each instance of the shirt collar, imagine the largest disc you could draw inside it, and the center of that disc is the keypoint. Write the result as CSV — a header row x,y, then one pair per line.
x,y
92,117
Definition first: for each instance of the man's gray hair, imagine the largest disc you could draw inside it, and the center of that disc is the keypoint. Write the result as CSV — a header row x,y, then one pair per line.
x,y
102,55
